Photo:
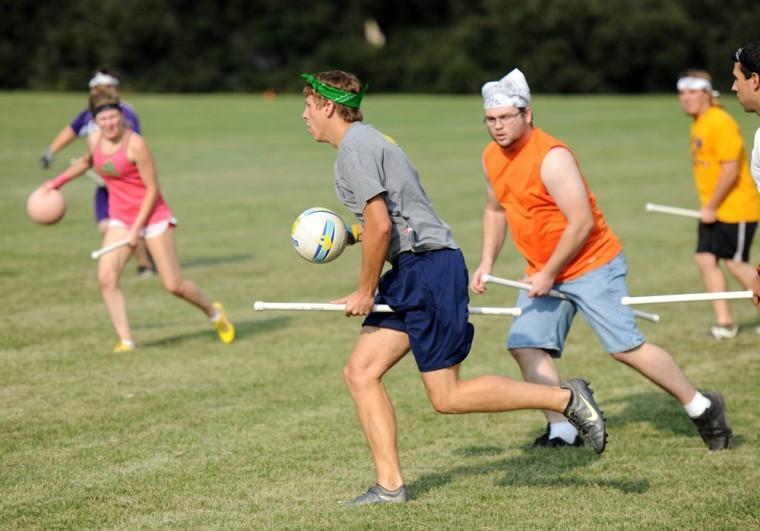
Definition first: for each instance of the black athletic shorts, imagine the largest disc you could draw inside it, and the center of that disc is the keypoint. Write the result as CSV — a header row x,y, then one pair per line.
x,y
731,241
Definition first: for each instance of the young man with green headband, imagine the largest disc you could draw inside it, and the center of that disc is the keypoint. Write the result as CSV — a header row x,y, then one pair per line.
x,y
426,286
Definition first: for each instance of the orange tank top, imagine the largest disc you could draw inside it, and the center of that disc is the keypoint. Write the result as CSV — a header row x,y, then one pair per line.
x,y
535,221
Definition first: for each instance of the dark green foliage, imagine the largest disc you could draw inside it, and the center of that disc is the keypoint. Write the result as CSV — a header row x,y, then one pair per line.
x,y
444,46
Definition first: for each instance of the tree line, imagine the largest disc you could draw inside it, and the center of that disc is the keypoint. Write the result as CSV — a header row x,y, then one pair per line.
x,y
427,46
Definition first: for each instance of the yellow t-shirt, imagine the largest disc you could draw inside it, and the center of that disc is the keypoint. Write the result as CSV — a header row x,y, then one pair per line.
x,y
715,138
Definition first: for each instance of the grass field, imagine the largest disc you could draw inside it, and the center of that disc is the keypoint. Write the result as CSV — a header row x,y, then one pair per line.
x,y
189,433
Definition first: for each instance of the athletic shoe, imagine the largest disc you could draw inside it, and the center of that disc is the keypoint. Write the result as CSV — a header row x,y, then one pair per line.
x,y
224,328
145,271
558,442
378,494
757,330
583,412
724,331
124,346
712,424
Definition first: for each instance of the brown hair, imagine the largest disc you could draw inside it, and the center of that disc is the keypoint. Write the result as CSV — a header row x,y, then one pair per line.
x,y
102,96
343,81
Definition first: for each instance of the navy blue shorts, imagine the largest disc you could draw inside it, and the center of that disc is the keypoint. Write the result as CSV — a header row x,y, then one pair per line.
x,y
428,292
101,203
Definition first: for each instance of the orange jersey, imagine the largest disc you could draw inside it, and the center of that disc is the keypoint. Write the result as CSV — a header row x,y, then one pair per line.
x,y
535,221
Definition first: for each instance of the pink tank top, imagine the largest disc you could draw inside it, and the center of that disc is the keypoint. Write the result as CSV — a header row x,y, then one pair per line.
x,y
126,189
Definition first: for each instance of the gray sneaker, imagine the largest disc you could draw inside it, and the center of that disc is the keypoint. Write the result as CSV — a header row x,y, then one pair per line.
x,y
378,494
583,412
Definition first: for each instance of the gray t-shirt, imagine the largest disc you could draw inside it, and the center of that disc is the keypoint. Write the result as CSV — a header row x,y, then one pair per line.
x,y
370,163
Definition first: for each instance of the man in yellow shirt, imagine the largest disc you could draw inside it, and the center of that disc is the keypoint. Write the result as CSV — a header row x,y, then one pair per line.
x,y
730,203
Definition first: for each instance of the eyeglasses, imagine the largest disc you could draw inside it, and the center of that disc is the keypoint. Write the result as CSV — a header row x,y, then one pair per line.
x,y
493,121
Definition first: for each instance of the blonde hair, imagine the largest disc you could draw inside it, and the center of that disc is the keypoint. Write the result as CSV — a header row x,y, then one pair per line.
x,y
704,74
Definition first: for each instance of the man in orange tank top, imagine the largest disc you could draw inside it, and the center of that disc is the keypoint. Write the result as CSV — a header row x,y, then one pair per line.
x,y
534,181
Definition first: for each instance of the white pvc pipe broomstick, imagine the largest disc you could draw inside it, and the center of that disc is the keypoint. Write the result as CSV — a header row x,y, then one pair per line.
x,y
558,294
676,211
382,308
108,248
687,297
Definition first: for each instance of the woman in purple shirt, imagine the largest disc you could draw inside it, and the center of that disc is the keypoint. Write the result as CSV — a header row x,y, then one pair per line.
x,y
82,126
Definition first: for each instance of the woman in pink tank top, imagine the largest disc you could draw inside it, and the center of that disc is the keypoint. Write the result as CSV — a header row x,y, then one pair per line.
x,y
136,210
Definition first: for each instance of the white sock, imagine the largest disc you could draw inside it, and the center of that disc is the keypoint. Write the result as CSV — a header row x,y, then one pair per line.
x,y
697,405
217,315
564,430
129,342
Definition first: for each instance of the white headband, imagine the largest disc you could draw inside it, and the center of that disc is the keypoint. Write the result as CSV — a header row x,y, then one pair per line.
x,y
101,79
510,91
693,83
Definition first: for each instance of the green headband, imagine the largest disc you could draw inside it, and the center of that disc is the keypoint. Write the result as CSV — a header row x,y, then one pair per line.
x,y
349,99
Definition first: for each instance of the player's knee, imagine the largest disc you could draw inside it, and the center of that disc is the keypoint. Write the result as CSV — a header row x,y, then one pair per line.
x,y
443,402
356,378
173,286
108,280
736,268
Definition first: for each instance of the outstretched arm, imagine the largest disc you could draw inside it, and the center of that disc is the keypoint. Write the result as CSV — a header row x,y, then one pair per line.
x,y
77,168
64,138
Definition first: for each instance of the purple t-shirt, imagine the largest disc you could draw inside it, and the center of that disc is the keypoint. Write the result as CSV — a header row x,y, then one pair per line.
x,y
83,124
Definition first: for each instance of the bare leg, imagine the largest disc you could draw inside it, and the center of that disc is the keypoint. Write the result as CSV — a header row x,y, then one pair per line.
x,y
488,394
109,271
375,352
741,271
661,369
163,250
537,366
713,278
141,253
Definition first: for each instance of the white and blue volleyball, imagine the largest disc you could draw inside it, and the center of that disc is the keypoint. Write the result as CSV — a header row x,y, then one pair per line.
x,y
319,235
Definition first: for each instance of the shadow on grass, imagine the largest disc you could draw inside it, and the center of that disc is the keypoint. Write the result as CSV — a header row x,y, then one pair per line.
x,y
662,412
205,261
534,468
243,329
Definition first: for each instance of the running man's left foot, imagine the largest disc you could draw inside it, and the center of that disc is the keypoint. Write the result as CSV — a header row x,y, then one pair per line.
x,y
224,327
583,412
378,494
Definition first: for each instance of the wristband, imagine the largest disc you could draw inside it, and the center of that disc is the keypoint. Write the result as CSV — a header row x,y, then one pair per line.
x,y
60,181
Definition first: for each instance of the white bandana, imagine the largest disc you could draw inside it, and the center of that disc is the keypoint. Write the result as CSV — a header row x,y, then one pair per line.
x,y
510,91
693,83
696,83
101,79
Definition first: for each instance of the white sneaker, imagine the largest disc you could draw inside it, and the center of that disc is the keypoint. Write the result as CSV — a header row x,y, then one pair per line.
x,y
724,331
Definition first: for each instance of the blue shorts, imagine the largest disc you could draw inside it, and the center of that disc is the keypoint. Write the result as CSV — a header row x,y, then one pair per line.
x,y
428,292
545,321
101,203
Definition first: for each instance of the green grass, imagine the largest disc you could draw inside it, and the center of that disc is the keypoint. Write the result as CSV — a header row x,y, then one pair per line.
x,y
189,433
